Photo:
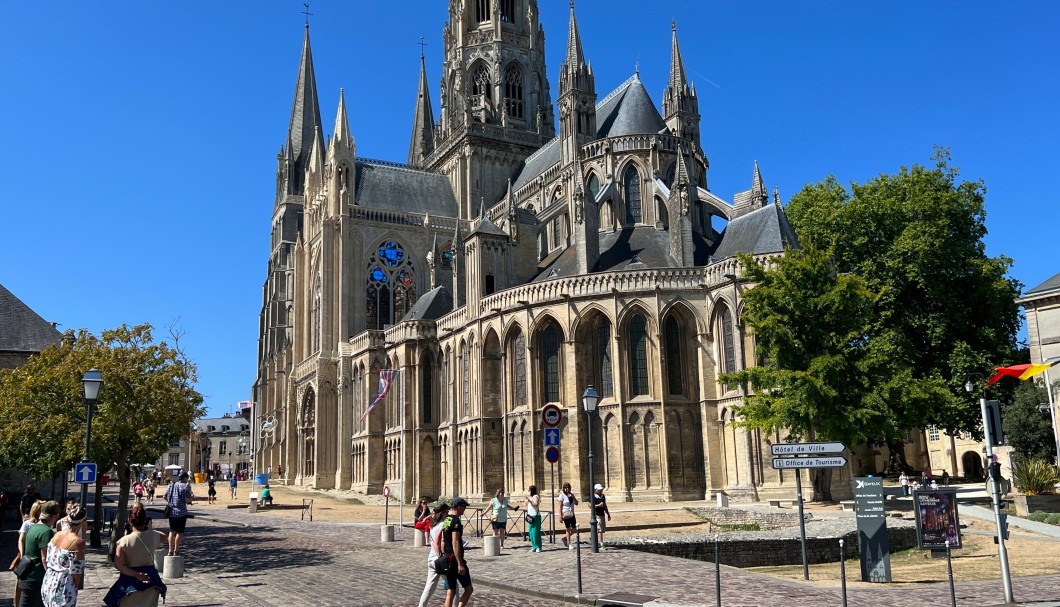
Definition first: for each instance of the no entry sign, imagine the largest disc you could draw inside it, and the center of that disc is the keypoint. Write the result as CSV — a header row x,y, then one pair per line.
x,y
551,415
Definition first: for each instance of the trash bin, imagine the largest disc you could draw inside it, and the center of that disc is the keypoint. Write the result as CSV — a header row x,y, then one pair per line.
x,y
262,479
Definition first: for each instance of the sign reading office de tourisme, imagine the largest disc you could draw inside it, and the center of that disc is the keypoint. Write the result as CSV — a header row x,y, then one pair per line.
x,y
808,455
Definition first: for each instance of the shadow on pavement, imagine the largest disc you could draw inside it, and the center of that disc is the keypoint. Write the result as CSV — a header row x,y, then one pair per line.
x,y
212,548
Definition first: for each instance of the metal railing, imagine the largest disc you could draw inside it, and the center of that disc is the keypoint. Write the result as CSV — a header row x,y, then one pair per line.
x,y
479,520
307,507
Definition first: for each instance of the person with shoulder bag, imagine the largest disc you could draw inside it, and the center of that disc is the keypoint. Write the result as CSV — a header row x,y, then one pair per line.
x,y
440,512
35,549
568,501
499,508
533,518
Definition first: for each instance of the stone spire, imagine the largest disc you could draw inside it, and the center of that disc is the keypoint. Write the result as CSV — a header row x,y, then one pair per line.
x,y
758,189
577,96
575,56
305,122
513,215
341,135
341,156
422,142
680,104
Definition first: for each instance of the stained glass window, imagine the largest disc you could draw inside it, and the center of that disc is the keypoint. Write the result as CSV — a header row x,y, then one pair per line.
x,y
632,191
594,186
727,341
638,356
391,288
448,254
427,389
674,360
520,368
550,364
465,355
603,358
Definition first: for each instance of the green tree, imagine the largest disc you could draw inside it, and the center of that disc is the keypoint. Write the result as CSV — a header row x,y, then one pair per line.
x,y
946,310
1028,429
148,400
810,326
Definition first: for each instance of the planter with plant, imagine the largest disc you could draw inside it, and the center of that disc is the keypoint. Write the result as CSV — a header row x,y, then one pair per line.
x,y
1035,480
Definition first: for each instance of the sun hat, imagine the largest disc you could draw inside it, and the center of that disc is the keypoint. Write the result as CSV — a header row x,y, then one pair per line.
x,y
599,487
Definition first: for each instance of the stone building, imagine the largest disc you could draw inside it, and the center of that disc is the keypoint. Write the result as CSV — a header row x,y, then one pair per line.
x,y
505,265
1042,305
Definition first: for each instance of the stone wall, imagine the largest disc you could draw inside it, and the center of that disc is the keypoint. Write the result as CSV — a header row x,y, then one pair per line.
x,y
743,551
741,516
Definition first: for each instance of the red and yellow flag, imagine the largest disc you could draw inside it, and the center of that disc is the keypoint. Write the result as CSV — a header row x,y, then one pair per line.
x,y
1020,371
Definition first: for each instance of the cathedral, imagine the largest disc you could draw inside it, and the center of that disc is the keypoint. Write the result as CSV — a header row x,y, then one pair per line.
x,y
528,248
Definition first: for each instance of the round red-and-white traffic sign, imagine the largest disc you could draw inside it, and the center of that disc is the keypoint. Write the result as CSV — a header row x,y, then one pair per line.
x,y
386,491
551,415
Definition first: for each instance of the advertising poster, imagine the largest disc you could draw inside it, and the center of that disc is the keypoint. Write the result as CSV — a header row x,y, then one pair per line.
x,y
936,519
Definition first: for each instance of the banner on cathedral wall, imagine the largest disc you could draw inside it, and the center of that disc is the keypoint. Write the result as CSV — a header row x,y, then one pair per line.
x,y
386,379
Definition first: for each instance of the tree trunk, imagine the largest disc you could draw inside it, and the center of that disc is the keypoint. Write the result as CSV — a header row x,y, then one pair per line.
x,y
117,530
821,478
896,462
97,520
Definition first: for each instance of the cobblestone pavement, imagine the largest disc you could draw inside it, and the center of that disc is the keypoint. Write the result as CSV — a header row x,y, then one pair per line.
x,y
236,558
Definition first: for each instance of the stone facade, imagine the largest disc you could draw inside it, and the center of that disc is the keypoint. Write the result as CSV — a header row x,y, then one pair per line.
x,y
504,267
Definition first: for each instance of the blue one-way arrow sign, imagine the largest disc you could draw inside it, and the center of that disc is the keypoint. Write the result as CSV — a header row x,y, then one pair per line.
x,y
551,437
85,472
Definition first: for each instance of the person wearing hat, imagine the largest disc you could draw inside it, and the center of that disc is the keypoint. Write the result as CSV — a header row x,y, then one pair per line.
x,y
64,563
434,540
179,497
600,508
453,539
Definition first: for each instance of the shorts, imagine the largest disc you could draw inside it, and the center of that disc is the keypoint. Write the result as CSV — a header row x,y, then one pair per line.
x,y
452,579
499,525
212,492
571,523
177,524
601,522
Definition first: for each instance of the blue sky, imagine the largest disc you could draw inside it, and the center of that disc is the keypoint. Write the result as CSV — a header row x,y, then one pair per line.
x,y
140,138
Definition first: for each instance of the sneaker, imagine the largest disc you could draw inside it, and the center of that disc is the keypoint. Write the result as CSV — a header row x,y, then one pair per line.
x,y
571,547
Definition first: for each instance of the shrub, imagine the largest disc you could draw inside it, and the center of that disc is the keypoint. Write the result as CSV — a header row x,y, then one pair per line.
x,y
1053,518
1034,476
1038,516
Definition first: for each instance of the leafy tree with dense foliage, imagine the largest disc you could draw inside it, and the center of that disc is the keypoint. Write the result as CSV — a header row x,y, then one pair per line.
x,y
148,400
946,311
810,326
1028,429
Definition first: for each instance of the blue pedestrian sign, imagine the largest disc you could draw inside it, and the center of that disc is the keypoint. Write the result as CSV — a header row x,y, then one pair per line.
x,y
551,437
84,473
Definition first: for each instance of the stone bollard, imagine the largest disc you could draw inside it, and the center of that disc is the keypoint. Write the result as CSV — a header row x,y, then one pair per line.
x,y
491,545
173,567
160,555
723,499
386,533
253,507
417,539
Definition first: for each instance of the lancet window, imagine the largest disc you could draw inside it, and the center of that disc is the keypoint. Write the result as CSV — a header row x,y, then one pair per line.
x,y
519,344
638,356
550,364
482,10
513,91
631,186
391,288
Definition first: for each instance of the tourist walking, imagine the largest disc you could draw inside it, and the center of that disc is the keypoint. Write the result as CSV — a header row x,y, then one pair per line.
x,y
64,564
903,480
179,497
138,582
441,511
28,499
138,490
34,517
35,548
233,484
499,508
150,489
211,491
567,501
453,540
533,518
600,510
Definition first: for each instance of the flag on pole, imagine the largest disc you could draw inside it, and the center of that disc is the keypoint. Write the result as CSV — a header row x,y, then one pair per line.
x,y
1020,371
245,404
386,379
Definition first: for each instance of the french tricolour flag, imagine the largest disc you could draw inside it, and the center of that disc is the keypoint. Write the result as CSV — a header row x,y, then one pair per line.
x,y
386,379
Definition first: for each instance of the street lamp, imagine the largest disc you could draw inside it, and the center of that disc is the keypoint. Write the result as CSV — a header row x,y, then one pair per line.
x,y
92,382
590,399
242,446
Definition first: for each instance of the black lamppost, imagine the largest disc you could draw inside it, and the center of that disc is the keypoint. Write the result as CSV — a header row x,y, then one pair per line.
x,y
590,399
92,382
242,447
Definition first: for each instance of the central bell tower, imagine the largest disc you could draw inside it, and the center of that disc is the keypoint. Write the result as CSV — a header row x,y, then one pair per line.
x,y
496,108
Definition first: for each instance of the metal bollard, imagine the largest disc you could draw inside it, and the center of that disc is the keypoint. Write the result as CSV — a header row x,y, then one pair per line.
x,y
717,567
843,571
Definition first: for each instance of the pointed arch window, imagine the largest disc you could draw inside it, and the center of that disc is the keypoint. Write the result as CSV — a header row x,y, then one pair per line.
x,y
465,361
427,389
513,91
314,320
671,174
520,368
481,88
631,187
674,357
594,186
391,289
728,342
638,356
550,364
482,10
602,357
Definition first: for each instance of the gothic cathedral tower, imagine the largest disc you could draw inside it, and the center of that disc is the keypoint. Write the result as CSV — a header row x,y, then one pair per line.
x,y
496,108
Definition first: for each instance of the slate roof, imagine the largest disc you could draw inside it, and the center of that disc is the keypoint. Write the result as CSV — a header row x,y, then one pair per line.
x,y
22,329
235,424
1050,285
395,187
628,110
432,305
764,230
485,225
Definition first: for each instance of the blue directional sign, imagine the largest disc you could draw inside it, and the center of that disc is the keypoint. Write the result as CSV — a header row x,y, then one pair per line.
x,y
85,473
551,437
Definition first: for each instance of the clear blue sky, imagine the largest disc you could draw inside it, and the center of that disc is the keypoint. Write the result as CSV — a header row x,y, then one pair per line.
x,y
140,138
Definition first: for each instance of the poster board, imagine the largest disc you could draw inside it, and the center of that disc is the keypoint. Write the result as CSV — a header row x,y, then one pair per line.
x,y
937,519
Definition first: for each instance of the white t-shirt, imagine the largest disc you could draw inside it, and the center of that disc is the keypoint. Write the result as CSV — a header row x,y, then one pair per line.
x,y
432,555
566,505
531,508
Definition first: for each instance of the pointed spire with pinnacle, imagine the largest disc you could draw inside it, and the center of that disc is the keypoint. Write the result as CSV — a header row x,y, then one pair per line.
x,y
575,56
315,167
758,189
577,95
680,105
681,174
305,120
678,82
423,122
342,136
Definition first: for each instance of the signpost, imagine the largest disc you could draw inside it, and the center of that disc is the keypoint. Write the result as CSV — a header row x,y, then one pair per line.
x,y
551,418
85,472
798,450
873,542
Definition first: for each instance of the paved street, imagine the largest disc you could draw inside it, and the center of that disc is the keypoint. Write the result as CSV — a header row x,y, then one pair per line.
x,y
236,558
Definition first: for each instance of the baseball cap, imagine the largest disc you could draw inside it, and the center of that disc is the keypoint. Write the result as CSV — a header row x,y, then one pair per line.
x,y
459,502
599,487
